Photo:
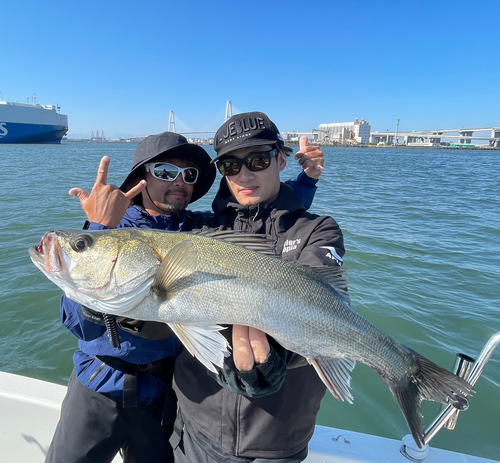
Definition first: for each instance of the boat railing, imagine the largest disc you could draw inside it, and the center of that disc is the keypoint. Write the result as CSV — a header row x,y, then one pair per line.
x,y
466,368
27,105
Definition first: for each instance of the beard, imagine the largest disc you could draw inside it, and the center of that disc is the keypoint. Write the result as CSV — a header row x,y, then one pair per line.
x,y
174,201
170,208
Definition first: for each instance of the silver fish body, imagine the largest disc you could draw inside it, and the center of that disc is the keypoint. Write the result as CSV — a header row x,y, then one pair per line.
x,y
196,283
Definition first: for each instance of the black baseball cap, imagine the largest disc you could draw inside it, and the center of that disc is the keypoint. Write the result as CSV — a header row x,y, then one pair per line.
x,y
244,131
171,144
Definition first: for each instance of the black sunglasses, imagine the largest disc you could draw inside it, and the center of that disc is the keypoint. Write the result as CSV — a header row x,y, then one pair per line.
x,y
254,162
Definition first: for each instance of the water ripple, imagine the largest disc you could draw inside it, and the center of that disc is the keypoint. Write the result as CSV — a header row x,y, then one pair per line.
x,y
422,233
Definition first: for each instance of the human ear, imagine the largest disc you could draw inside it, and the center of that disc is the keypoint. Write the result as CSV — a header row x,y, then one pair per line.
x,y
282,159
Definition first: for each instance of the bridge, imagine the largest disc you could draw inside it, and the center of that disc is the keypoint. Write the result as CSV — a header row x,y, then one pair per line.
x,y
462,136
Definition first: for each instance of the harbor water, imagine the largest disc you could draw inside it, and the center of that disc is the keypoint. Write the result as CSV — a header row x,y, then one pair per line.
x,y
422,234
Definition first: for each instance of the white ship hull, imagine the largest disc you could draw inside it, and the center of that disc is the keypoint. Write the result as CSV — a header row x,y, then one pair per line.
x,y
24,123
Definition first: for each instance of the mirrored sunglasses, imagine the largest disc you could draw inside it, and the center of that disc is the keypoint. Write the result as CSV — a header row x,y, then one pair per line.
x,y
254,162
169,172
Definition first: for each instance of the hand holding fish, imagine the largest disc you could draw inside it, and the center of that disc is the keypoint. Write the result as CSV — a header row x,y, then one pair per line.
x,y
250,346
310,158
106,204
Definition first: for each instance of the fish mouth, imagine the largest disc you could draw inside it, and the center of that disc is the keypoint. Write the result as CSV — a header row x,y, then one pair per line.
x,y
48,255
51,259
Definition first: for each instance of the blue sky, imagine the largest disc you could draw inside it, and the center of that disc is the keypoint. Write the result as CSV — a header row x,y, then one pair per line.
x,y
121,66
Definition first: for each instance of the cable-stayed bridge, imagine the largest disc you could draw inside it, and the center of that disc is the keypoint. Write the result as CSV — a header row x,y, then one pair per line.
x,y
288,136
463,136
171,126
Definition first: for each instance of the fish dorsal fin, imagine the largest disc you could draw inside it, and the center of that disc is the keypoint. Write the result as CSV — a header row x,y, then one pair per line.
x,y
335,374
178,263
252,241
334,276
203,342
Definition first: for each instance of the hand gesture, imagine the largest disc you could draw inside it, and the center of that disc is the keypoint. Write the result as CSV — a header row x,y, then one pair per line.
x,y
250,346
310,158
106,204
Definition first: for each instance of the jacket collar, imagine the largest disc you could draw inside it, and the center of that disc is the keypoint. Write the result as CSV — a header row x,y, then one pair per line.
x,y
162,221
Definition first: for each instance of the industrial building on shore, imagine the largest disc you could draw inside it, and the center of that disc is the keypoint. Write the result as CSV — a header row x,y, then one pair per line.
x,y
345,132
359,132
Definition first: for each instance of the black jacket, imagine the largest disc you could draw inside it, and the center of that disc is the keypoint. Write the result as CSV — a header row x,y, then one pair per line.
x,y
282,422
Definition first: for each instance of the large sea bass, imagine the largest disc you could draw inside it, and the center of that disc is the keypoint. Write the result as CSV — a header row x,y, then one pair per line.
x,y
197,282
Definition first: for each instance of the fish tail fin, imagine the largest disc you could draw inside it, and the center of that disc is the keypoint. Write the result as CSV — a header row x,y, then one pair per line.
x,y
427,381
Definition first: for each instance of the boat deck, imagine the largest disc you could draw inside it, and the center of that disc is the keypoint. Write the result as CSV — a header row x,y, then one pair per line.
x,y
29,411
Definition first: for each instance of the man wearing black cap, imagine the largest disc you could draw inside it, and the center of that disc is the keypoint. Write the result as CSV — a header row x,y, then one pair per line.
x,y
262,406
119,395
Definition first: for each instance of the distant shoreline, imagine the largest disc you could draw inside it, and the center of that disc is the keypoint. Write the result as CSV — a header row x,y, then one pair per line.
x,y
339,145
323,145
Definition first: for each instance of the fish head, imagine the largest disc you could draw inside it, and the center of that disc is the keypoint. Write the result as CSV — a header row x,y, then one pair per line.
x,y
114,268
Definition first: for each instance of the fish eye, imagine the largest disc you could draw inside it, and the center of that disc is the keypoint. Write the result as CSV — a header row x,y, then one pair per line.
x,y
82,243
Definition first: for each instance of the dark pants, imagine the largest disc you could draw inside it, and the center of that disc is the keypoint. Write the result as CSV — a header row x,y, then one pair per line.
x,y
93,428
196,448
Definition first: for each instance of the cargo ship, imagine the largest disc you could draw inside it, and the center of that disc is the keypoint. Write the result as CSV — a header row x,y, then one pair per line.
x,y
31,123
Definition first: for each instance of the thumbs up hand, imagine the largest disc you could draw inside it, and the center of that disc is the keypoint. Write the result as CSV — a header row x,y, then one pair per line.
x,y
310,158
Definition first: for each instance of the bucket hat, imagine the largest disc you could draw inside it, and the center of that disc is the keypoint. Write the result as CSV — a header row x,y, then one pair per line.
x,y
244,131
170,144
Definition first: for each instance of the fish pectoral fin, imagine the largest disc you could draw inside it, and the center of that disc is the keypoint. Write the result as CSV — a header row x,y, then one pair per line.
x,y
178,263
334,372
203,342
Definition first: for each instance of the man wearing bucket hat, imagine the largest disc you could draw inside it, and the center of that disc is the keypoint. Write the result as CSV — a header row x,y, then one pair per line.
x,y
157,184
262,406
118,391
119,394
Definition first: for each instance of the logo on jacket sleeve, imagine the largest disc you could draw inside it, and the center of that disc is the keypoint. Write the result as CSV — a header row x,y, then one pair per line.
x,y
332,254
290,245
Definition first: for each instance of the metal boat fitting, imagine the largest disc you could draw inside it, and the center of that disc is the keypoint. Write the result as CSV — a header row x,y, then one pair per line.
x,y
466,368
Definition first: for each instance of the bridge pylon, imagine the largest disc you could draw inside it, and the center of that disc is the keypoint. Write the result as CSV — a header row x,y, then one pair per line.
x,y
171,122
229,110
